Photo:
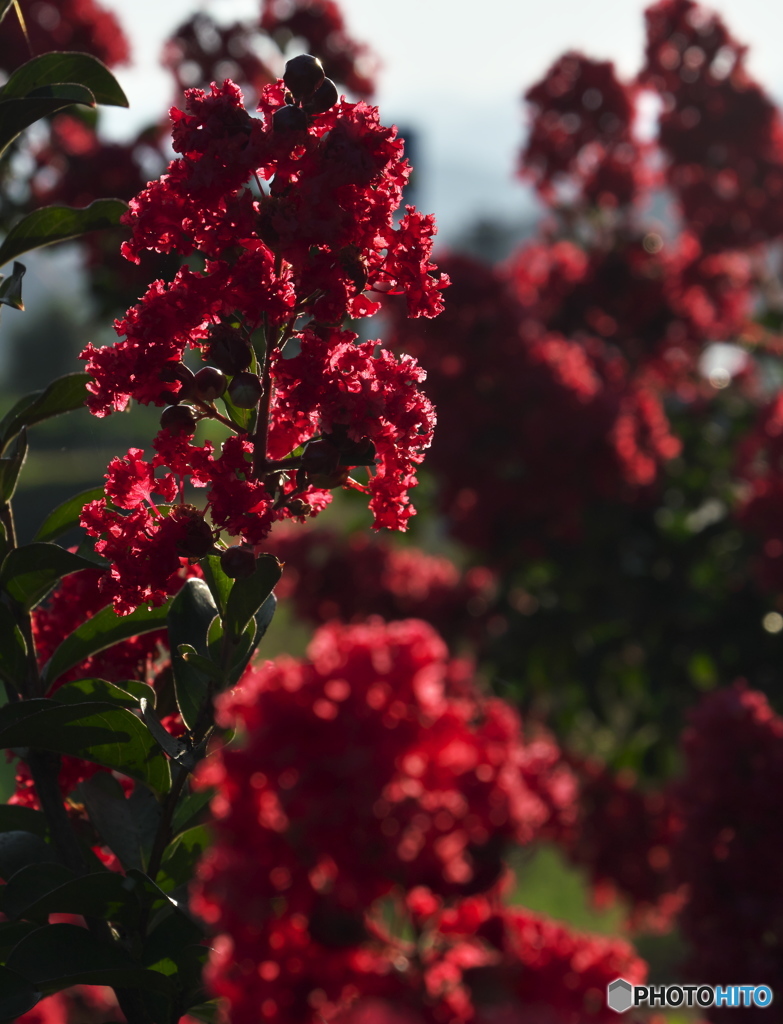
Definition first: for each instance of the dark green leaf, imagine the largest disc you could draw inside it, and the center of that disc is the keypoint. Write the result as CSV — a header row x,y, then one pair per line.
x,y
209,1013
192,610
22,819
219,584
170,936
94,731
238,654
11,467
103,894
60,955
12,932
13,649
16,114
96,689
189,809
18,849
52,224
29,573
112,817
32,883
66,516
103,630
245,419
248,594
64,66
182,856
11,287
17,995
63,395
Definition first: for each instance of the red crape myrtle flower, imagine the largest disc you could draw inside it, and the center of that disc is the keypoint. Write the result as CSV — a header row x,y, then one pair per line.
x,y
82,25
372,767
328,576
721,133
273,272
727,853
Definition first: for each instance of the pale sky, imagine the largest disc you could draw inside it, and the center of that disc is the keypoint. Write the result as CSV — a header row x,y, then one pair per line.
x,y
455,70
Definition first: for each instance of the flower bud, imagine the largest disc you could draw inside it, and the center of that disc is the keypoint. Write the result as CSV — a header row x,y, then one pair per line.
x,y
196,538
179,419
289,119
299,507
303,75
245,390
178,372
210,383
324,97
238,561
228,349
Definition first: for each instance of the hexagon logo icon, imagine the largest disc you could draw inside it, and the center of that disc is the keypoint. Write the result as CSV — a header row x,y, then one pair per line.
x,y
619,995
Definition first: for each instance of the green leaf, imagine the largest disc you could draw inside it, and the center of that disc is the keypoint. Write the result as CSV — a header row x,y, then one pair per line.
x,y
103,630
16,114
102,894
52,224
219,584
18,849
66,516
13,649
189,809
192,610
31,883
17,994
126,825
11,467
60,955
11,287
209,1013
94,731
12,932
249,594
97,689
170,936
181,857
22,819
245,419
63,395
65,66
29,573
239,653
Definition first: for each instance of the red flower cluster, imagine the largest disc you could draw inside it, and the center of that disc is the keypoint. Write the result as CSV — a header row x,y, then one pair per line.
x,y
311,246
727,851
721,133
371,770
581,137
82,25
332,577
321,25
623,838
533,424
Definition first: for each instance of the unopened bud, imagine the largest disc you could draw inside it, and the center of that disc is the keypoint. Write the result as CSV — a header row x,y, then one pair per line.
x,y
197,538
238,561
228,349
323,99
179,419
303,75
299,507
289,119
245,390
210,383
178,372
